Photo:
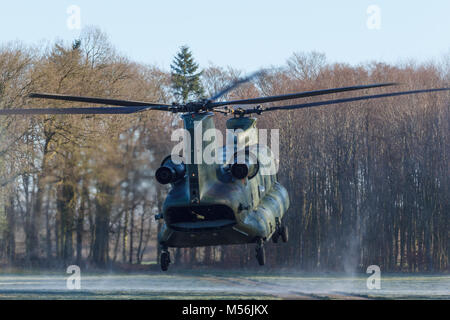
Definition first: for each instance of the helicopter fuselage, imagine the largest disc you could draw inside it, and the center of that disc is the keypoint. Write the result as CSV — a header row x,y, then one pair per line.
x,y
209,206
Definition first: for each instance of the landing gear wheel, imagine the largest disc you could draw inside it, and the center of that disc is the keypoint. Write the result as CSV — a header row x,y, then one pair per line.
x,y
165,260
284,234
260,252
275,237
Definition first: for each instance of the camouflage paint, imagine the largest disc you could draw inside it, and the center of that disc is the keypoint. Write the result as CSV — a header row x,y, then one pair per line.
x,y
256,203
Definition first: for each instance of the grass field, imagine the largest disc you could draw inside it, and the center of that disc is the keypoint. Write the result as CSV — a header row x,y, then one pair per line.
x,y
221,285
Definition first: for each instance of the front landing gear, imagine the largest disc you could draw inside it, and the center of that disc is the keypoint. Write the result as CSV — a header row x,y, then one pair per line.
x,y
164,259
260,252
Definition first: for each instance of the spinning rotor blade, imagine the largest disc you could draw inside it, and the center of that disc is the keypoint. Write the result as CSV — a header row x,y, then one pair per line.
x,y
112,102
337,101
234,85
51,111
300,95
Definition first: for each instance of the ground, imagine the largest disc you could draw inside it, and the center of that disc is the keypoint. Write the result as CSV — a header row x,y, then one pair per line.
x,y
210,284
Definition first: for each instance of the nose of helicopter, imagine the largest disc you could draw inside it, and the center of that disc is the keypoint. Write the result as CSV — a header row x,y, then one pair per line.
x,y
198,218
207,204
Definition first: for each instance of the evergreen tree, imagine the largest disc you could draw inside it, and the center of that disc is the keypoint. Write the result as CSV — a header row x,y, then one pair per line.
x,y
186,82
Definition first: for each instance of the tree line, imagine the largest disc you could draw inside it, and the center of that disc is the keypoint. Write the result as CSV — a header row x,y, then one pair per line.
x,y
368,181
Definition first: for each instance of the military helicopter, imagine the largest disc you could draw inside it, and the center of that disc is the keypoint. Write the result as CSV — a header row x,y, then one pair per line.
x,y
225,203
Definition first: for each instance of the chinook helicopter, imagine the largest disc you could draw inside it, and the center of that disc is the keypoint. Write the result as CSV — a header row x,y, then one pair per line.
x,y
234,202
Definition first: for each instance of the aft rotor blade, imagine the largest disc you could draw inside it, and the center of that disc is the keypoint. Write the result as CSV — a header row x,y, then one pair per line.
x,y
329,102
111,102
300,95
52,111
234,85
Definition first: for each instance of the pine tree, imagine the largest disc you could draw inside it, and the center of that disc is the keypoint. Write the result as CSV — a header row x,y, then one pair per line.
x,y
186,82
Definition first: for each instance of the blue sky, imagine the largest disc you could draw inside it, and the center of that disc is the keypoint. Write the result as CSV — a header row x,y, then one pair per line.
x,y
246,34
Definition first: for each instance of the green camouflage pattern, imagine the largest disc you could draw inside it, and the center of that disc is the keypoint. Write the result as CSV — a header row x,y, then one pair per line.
x,y
243,210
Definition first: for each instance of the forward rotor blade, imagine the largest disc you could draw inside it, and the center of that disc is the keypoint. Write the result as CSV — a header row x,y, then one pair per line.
x,y
234,85
299,95
52,111
111,102
329,102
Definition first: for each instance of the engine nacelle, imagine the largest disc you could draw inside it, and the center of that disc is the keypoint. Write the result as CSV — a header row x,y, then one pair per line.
x,y
244,170
170,172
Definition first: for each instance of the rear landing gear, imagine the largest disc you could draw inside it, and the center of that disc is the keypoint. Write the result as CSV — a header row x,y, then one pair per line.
x,y
164,260
260,252
284,234
280,232
275,237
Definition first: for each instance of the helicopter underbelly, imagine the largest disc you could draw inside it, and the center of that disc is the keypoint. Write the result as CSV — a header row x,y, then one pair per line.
x,y
222,236
226,230
218,225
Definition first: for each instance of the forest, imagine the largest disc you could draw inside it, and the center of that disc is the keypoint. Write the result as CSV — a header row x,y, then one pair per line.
x,y
369,181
